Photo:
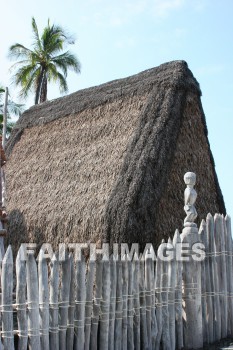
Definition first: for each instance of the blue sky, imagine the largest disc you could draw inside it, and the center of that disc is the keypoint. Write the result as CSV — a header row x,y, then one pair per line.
x,y
115,39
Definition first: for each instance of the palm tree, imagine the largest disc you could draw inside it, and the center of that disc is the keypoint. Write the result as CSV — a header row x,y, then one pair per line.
x,y
44,63
13,108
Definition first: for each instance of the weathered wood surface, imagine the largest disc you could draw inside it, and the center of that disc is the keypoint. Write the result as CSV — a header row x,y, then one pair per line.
x,y
148,280
120,304
118,321
71,308
96,305
165,316
158,297
80,304
178,293
125,302
89,303
208,287
219,228
214,277
193,335
21,283
7,300
136,303
33,303
171,299
113,279
64,300
104,306
130,334
154,327
205,328
43,301
53,301
229,260
142,291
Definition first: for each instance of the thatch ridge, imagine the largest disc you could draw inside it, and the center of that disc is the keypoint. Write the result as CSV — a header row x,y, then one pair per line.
x,y
144,173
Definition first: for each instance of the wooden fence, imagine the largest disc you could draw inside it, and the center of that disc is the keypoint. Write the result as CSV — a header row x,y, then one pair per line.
x,y
117,304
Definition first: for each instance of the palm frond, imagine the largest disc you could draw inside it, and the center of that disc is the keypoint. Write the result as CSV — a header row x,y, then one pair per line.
x,y
63,87
52,40
9,128
15,108
37,41
67,61
23,74
54,75
19,51
25,77
18,65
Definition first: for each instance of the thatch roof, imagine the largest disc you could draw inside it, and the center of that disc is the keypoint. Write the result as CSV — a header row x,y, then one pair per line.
x,y
108,162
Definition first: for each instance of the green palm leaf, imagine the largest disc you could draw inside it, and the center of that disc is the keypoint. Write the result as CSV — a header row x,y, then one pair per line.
x,y
13,108
44,63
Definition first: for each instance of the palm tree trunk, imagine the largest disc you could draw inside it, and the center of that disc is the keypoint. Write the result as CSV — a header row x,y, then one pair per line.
x,y
39,85
43,92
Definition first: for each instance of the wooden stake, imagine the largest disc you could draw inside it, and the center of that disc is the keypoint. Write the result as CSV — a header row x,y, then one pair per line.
x,y
21,300
5,119
7,310
43,301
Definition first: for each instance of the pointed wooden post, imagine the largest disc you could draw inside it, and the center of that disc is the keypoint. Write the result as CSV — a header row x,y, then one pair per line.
x,y
80,304
208,287
53,301
171,297
7,309
143,323
229,273
3,216
221,263
154,326
165,316
158,297
205,316
21,284
96,304
148,280
64,300
214,278
71,308
130,340
89,302
136,303
178,294
125,302
104,317
43,300
193,337
118,321
112,302
33,303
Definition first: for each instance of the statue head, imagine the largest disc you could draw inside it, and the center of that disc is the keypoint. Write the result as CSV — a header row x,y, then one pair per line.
x,y
190,178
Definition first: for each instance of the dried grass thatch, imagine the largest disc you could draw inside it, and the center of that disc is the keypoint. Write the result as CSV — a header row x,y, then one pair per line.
x,y
107,163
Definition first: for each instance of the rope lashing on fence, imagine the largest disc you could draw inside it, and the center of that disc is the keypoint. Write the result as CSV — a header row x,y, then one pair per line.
x,y
150,293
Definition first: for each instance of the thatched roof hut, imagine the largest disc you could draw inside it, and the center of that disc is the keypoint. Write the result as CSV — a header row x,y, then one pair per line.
x,y
107,163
